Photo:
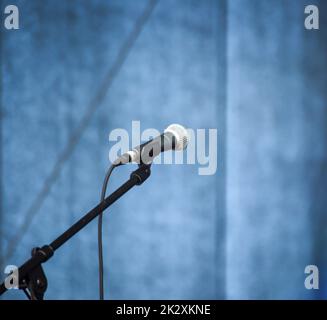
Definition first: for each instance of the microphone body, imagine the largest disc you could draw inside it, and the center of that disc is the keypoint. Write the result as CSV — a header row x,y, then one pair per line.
x,y
175,137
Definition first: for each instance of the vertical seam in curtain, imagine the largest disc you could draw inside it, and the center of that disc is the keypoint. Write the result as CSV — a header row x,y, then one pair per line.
x,y
221,49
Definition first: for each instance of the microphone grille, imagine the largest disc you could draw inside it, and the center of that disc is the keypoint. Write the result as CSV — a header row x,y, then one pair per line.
x,y
180,134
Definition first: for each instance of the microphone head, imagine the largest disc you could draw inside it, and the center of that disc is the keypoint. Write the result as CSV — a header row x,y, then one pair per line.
x,y
180,134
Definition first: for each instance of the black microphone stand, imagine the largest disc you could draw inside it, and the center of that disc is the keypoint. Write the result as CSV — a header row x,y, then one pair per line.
x,y
32,279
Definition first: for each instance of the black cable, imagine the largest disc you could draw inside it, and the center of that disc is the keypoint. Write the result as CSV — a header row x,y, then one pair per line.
x,y
100,249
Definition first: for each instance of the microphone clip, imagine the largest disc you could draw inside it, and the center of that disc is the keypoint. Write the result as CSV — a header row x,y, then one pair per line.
x,y
142,173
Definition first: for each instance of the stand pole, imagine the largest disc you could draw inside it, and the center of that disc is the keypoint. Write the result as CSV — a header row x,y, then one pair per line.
x,y
31,274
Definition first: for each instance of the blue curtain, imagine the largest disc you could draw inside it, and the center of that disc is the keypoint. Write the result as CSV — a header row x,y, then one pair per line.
x,y
247,68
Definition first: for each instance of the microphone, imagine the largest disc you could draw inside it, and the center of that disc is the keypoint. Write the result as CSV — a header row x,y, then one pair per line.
x,y
175,137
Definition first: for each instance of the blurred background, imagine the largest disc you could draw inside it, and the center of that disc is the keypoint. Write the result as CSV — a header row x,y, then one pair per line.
x,y
75,70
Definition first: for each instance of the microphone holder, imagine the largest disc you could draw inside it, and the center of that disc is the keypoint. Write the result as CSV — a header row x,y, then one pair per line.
x,y
32,279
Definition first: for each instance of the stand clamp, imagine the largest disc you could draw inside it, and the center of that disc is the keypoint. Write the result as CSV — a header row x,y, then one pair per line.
x,y
35,283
